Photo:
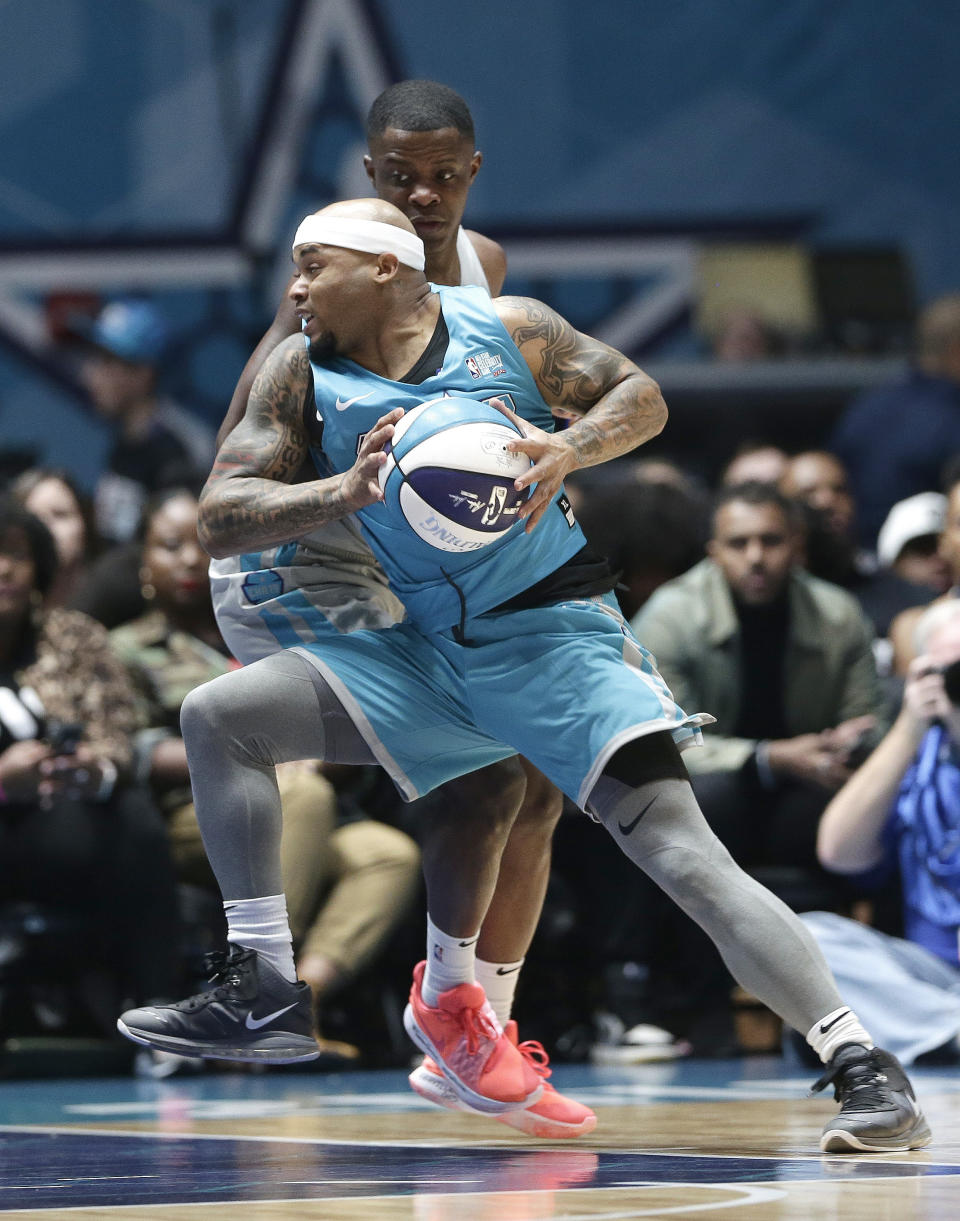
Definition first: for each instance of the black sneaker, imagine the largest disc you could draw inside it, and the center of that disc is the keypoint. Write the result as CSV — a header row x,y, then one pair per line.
x,y
252,1014
879,1112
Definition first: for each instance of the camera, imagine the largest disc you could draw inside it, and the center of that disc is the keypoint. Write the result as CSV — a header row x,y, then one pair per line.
x,y
951,682
63,737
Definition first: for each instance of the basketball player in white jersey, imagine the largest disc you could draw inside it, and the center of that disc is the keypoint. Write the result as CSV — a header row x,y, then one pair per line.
x,y
423,160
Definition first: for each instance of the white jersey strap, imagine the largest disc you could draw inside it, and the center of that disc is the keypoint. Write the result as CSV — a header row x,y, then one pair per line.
x,y
471,269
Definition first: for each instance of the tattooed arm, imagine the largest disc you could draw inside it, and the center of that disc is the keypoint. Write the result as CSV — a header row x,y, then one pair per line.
x,y
615,406
247,502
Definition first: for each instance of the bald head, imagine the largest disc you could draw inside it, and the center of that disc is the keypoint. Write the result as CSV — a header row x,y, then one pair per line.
x,y
367,209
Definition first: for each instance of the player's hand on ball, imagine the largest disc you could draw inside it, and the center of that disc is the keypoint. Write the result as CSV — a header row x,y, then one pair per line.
x,y
552,461
360,485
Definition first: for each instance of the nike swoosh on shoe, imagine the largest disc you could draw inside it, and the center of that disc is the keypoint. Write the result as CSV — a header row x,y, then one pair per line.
x,y
253,1023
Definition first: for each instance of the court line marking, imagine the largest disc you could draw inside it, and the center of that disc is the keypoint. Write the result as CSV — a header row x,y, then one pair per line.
x,y
884,1159
749,1193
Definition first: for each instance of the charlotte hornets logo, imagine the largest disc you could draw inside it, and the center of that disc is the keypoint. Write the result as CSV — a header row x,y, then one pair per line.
x,y
260,587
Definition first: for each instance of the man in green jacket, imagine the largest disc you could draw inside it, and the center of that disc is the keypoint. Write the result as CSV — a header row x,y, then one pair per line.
x,y
784,661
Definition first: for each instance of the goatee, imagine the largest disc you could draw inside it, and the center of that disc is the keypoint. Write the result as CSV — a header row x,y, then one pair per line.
x,y
324,347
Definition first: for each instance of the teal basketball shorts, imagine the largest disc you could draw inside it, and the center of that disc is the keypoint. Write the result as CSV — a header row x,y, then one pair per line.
x,y
565,685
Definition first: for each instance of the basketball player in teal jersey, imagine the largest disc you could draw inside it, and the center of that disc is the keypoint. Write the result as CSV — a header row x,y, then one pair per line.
x,y
514,644
423,158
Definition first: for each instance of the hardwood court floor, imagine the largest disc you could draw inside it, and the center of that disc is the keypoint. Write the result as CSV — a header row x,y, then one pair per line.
x,y
732,1139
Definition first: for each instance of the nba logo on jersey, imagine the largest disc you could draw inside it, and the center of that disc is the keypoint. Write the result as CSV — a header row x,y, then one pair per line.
x,y
259,587
485,364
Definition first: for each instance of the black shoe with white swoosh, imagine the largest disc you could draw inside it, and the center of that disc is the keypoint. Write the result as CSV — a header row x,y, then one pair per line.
x,y
252,1013
879,1112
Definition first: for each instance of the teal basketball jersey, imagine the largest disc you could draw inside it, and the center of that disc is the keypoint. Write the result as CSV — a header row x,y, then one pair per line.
x,y
441,589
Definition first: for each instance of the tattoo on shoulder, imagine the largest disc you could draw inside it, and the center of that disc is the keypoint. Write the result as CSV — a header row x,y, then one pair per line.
x,y
573,368
270,439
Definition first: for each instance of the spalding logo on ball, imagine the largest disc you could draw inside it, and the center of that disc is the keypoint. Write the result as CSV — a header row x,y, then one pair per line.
x,y
449,475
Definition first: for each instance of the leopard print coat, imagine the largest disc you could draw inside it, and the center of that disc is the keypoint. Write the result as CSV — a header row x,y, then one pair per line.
x,y
77,677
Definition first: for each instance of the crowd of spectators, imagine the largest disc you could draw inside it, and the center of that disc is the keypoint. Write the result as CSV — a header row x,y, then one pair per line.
x,y
790,602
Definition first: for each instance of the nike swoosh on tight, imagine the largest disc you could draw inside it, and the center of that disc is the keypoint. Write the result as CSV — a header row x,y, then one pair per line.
x,y
507,970
626,828
464,944
839,1017
343,404
253,1023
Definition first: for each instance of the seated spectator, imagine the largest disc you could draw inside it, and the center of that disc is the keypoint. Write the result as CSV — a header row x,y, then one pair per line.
x,y
900,812
102,583
157,442
784,662
903,629
75,834
909,541
894,439
649,531
818,481
585,484
67,513
348,883
755,462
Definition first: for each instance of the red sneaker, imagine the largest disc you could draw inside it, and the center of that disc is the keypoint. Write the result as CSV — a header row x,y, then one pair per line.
x,y
553,1116
463,1037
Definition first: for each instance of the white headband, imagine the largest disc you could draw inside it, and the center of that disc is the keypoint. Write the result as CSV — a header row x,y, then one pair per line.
x,y
372,236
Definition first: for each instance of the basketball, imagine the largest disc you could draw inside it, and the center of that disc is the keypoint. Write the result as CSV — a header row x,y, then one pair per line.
x,y
449,475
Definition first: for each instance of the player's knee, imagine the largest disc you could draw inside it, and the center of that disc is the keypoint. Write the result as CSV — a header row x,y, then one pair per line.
x,y
207,712
494,793
541,808
701,877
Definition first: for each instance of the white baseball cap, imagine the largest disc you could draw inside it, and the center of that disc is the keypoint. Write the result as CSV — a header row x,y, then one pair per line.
x,y
912,518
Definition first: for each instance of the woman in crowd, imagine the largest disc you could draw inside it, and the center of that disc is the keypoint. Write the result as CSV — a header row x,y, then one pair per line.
x,y
75,834
54,497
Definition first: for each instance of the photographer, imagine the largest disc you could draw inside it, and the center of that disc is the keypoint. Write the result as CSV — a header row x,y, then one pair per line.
x,y
74,835
901,809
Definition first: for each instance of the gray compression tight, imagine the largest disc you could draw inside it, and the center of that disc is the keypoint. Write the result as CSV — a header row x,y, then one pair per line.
x,y
766,948
236,729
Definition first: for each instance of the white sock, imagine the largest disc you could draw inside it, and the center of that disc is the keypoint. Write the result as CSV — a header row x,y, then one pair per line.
x,y
262,925
450,961
499,981
839,1027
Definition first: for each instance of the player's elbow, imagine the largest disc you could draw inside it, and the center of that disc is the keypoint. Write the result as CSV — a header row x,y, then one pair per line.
x,y
660,412
211,533
654,407
217,549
